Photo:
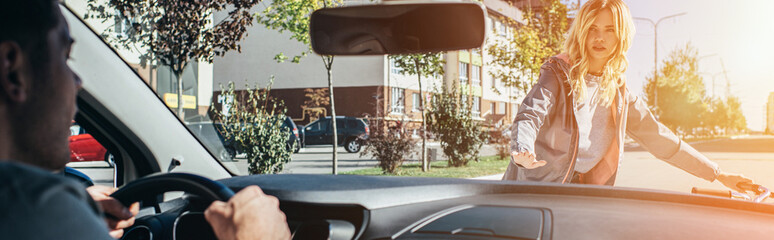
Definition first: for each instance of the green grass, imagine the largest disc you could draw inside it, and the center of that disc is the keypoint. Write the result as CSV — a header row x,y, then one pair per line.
x,y
487,166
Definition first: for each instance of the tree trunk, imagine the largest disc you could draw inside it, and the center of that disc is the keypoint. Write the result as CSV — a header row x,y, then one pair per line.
x,y
180,112
328,66
328,61
425,163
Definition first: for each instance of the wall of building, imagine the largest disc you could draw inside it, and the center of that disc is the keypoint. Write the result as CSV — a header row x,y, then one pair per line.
x,y
256,64
770,114
395,79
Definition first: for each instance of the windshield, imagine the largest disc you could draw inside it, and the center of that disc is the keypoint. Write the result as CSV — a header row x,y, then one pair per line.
x,y
696,106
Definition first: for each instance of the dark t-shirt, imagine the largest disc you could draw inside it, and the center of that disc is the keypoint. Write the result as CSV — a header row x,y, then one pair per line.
x,y
35,204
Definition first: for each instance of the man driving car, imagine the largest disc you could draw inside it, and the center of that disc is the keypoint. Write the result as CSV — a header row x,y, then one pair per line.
x,y
37,105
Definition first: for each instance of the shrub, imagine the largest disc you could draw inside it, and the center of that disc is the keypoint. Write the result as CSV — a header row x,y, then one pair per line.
x,y
501,142
253,121
389,145
461,137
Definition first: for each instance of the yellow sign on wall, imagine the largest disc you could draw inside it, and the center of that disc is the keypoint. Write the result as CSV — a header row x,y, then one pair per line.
x,y
189,102
464,56
477,60
474,90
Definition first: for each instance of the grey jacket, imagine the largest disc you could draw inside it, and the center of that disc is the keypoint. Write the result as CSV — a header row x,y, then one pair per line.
x,y
545,125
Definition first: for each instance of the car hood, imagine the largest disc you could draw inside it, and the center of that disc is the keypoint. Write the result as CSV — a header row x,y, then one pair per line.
x,y
374,192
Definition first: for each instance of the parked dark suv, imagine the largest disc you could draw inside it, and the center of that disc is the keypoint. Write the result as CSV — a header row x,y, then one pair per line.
x,y
210,134
351,133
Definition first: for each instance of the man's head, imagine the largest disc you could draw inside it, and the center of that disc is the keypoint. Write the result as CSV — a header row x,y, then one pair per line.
x,y
37,88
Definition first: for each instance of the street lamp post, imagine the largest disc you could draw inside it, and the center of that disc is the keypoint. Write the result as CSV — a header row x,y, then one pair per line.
x,y
710,74
713,75
655,51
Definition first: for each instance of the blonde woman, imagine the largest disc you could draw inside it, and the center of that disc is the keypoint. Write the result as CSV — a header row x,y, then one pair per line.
x,y
574,119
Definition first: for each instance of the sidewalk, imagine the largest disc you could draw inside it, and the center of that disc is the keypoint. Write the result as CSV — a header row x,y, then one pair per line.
x,y
415,157
498,176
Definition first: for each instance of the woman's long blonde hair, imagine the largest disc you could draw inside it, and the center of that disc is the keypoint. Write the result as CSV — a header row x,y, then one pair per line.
x,y
575,46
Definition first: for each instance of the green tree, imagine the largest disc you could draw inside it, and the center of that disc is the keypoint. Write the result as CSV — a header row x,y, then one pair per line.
x,y
174,33
736,120
421,65
726,116
518,58
681,92
254,122
552,23
717,116
461,137
293,16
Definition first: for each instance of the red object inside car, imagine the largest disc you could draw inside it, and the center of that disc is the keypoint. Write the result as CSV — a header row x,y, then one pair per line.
x,y
83,147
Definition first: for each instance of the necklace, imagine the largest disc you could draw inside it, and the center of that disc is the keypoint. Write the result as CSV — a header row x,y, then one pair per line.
x,y
592,78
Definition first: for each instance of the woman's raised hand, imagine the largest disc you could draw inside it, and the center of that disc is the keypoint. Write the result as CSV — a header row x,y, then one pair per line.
x,y
526,160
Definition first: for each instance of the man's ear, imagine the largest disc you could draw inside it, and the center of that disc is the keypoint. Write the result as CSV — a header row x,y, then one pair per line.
x,y
13,84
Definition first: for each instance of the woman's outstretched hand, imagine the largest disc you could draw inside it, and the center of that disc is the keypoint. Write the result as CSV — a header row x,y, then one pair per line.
x,y
731,180
526,160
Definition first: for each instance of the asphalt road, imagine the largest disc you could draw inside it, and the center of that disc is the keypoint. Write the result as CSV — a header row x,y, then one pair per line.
x,y
310,160
752,156
317,160
313,160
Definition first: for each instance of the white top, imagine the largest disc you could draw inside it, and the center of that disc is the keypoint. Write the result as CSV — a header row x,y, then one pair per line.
x,y
595,128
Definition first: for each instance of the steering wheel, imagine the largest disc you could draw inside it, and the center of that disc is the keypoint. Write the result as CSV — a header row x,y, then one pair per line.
x,y
163,225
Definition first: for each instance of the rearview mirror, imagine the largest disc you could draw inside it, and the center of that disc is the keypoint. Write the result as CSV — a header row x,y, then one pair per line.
x,y
398,27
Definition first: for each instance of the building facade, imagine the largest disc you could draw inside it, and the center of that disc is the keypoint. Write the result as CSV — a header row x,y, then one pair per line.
x,y
370,86
770,114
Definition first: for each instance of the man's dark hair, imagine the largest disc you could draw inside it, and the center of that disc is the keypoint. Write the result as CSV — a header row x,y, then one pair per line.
x,y
27,22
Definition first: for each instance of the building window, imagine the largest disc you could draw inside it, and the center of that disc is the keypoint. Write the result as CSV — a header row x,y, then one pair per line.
x,y
464,103
122,26
501,108
394,69
398,103
476,75
476,106
415,102
463,73
492,108
492,23
502,29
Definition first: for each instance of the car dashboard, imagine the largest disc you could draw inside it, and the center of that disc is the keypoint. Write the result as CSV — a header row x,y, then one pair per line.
x,y
362,207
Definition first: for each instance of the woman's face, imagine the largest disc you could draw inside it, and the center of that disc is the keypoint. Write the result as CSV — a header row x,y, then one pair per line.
x,y
601,40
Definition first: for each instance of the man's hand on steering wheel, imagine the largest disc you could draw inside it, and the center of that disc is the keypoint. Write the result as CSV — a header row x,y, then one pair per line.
x,y
117,216
250,214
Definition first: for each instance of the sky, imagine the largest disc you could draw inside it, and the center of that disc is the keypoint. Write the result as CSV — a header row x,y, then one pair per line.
x,y
738,33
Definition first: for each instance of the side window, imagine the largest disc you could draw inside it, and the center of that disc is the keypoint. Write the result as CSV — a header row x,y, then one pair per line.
x,y
210,132
340,124
90,163
352,124
75,129
319,125
325,124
